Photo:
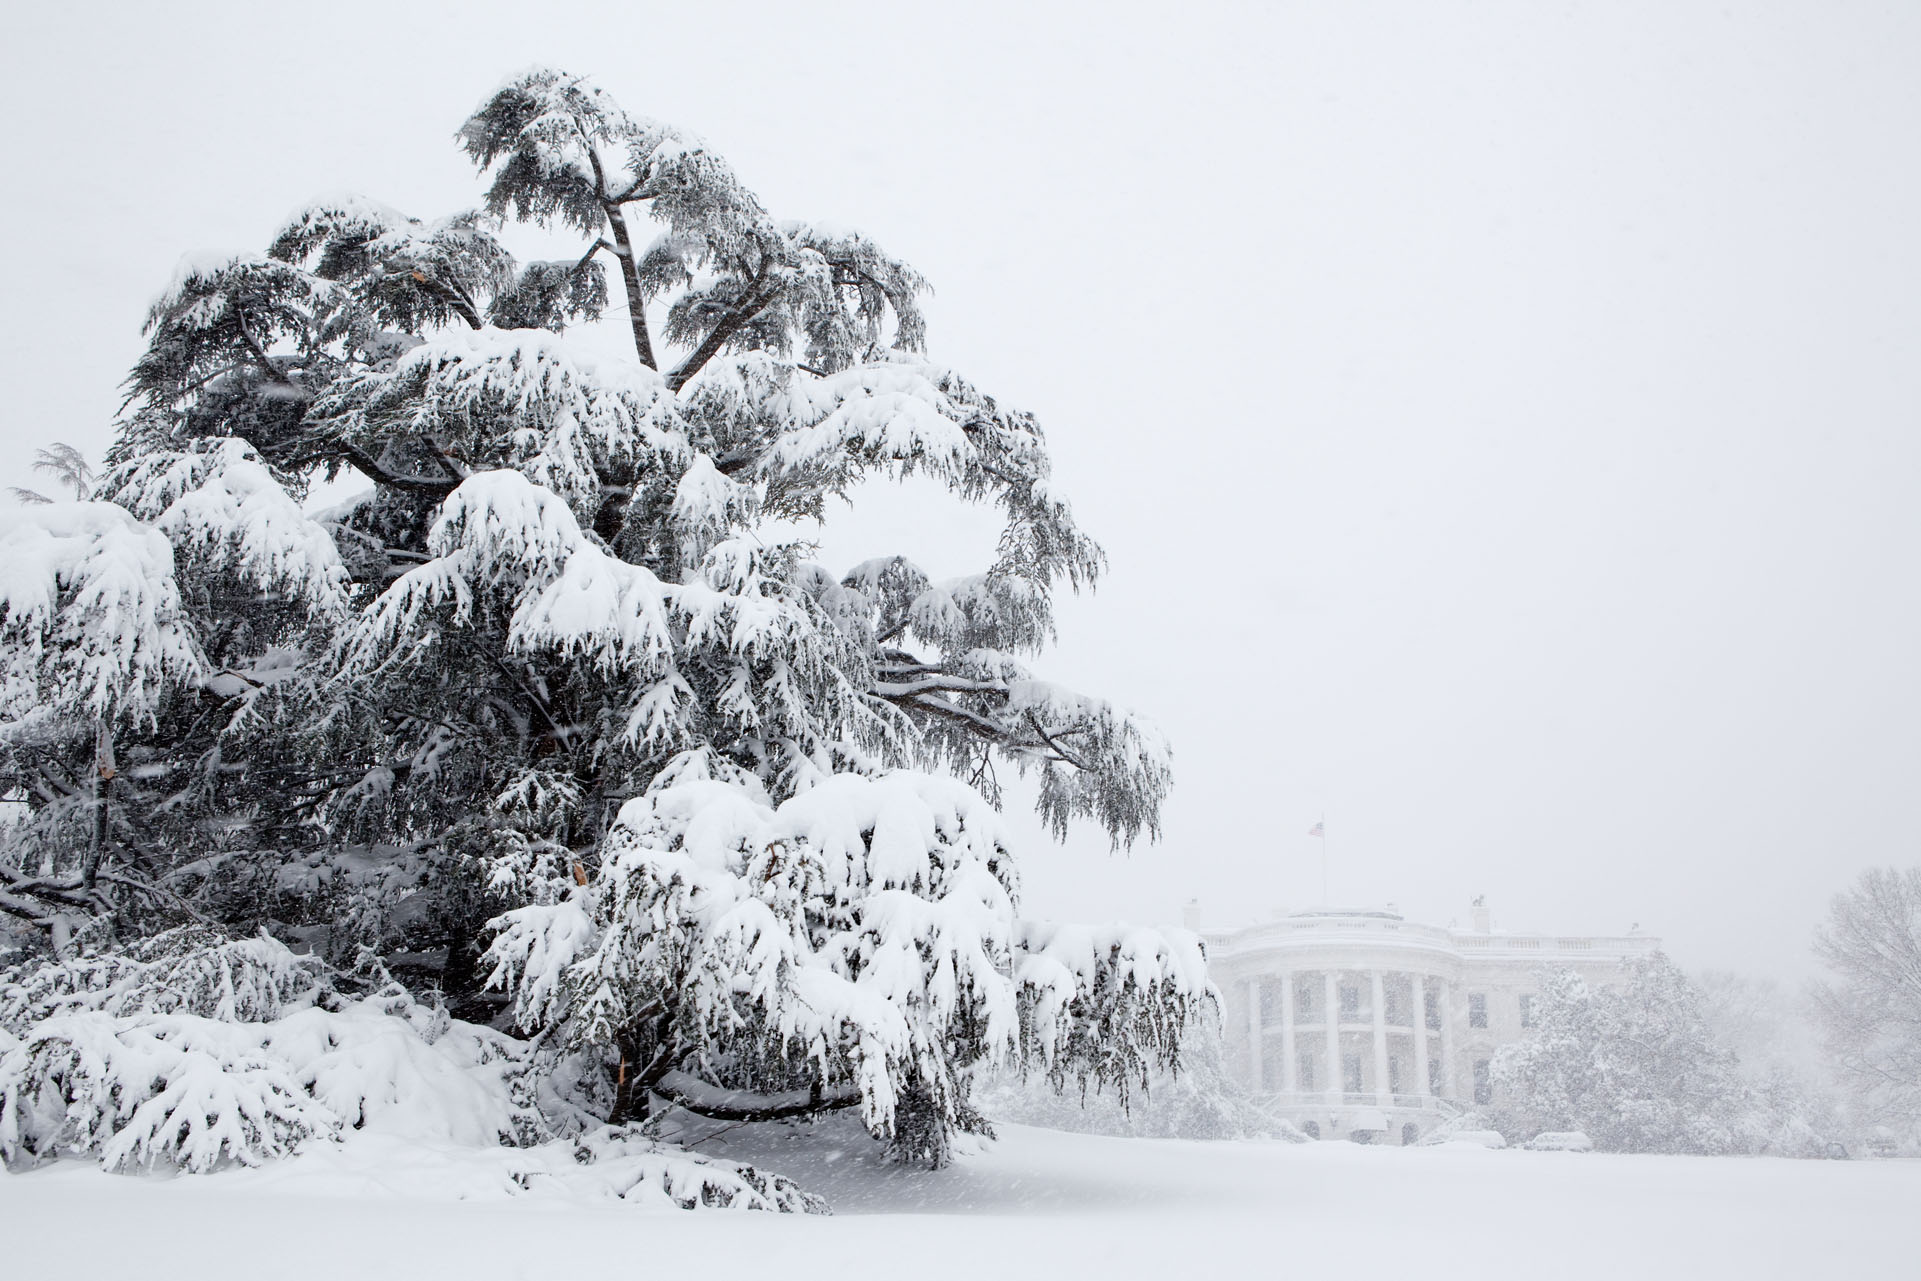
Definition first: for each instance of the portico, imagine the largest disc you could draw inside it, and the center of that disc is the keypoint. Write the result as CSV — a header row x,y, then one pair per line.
x,y
1362,1021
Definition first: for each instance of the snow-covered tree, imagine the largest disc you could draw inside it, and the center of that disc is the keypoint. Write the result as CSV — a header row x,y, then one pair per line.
x,y
1769,1032
558,700
1871,1010
1631,1064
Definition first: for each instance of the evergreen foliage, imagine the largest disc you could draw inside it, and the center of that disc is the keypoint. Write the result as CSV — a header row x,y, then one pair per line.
x,y
557,701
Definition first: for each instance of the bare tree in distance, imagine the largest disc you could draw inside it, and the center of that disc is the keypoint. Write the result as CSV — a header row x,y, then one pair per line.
x,y
65,464
1871,1012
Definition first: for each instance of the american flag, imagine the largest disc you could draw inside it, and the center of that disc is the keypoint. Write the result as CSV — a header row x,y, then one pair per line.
x,y
1319,829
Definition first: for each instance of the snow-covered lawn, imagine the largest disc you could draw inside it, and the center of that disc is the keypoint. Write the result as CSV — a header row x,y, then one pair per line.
x,y
1036,1204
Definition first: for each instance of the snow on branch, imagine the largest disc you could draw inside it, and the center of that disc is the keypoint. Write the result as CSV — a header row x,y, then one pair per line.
x,y
523,397
90,614
501,538
1109,1004
188,970
219,502
412,274
861,934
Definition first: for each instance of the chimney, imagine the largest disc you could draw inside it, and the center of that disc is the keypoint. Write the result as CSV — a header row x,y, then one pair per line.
x,y
1191,914
1483,919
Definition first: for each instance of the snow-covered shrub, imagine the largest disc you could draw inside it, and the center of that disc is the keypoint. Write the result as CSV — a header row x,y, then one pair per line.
x,y
621,1164
196,1053
139,1091
1473,1125
1560,1141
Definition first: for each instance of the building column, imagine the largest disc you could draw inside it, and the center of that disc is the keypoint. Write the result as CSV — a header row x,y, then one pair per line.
x,y
1333,1021
1255,1083
1446,1002
1421,1086
1288,1061
1383,1095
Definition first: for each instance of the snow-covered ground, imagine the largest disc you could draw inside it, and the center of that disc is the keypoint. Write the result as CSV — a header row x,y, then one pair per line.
x,y
1037,1203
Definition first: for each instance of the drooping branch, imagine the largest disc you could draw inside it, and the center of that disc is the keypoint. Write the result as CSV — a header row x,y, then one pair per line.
x,y
690,1092
730,324
381,476
455,297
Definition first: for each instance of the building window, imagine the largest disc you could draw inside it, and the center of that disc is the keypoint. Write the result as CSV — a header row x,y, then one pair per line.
x,y
1307,1071
1434,1076
1350,1003
1394,1074
1351,1073
1476,1009
1304,1002
1432,1000
1527,1011
1270,1003
1483,1083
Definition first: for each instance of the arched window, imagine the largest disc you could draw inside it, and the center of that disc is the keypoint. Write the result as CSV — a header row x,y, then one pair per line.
x,y
1409,1133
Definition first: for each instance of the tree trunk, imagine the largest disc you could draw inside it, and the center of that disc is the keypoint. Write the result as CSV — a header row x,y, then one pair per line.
x,y
630,277
103,772
630,1091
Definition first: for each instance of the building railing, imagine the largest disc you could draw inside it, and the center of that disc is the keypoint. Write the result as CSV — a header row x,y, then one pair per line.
x,y
1362,1099
1271,1019
1317,930
1542,942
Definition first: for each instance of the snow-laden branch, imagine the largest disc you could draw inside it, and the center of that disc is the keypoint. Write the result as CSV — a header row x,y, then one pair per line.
x,y
90,615
861,937
218,502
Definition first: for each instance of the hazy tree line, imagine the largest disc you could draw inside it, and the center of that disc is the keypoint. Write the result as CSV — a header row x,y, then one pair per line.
x,y
1661,1062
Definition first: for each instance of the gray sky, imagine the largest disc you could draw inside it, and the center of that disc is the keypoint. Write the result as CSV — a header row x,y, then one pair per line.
x,y
1500,417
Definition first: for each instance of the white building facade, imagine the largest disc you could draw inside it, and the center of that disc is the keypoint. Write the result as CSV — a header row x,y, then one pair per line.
x,y
1360,1024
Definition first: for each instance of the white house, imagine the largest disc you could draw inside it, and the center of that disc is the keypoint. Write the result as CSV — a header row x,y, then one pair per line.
x,y
1363,1023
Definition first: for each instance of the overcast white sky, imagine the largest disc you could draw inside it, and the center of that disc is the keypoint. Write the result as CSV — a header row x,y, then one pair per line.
x,y
1501,418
